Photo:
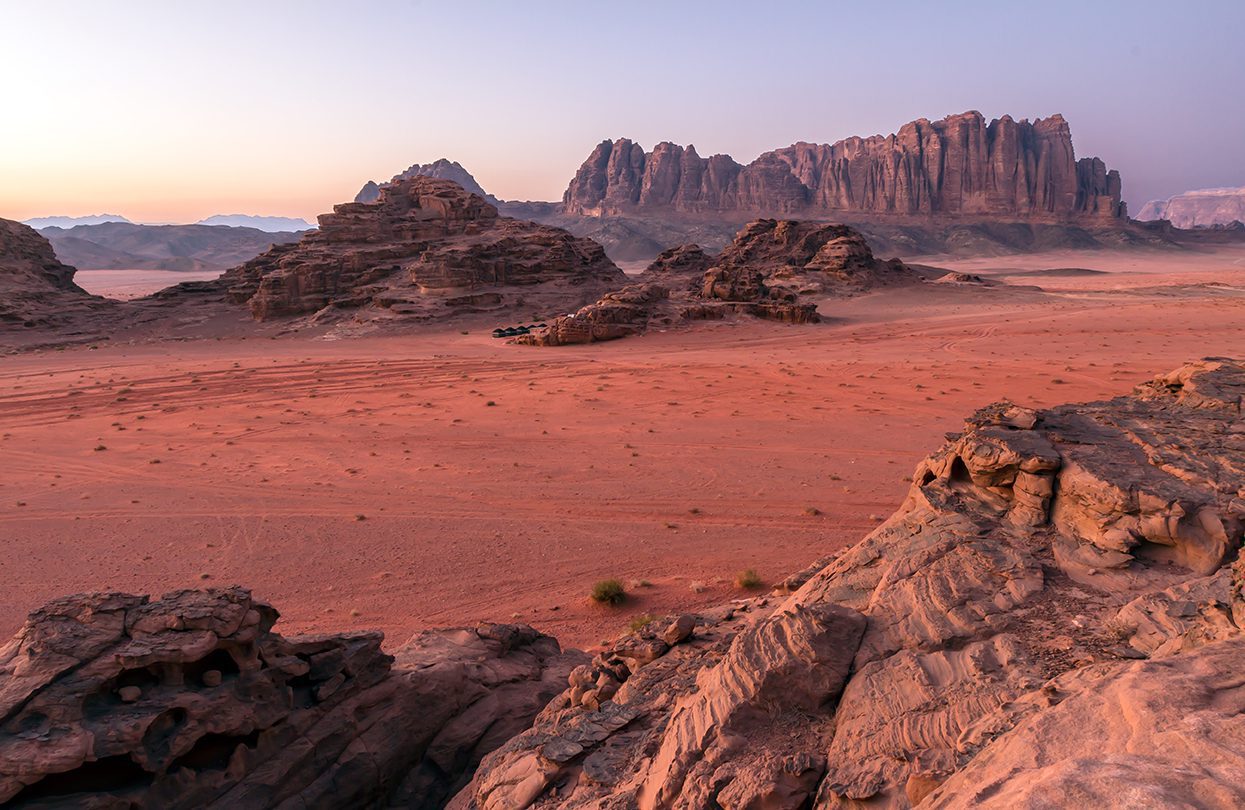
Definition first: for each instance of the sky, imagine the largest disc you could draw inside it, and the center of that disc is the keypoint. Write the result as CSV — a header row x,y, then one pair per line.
x,y
171,111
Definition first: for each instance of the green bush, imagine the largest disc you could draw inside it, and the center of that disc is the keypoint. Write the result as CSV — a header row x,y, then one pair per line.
x,y
609,592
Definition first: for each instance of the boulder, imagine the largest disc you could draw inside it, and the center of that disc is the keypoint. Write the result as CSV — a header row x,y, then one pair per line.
x,y
111,700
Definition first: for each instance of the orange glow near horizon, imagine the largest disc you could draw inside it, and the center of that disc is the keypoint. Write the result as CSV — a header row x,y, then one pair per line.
x,y
171,112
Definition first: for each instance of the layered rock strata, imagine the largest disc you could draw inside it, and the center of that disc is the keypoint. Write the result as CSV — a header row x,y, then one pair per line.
x,y
37,290
424,249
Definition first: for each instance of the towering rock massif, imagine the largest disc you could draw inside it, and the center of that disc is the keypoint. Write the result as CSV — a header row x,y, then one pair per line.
x,y
442,169
192,701
425,248
960,166
1205,208
37,290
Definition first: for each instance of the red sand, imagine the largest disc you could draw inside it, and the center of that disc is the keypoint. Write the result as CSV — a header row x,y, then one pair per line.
x,y
370,483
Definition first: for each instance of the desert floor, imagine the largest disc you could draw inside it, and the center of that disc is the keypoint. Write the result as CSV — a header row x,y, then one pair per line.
x,y
126,284
444,478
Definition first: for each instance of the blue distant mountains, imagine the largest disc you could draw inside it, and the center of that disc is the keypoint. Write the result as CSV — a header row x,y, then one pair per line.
x,y
70,222
269,224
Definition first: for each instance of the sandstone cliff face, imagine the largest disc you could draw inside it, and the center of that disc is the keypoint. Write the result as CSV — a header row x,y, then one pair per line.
x,y
1049,620
425,249
112,700
958,166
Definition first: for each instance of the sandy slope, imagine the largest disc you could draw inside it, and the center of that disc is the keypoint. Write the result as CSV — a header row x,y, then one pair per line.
x,y
370,483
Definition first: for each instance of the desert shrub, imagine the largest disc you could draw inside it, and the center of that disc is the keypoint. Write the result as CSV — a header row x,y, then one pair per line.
x,y
748,579
609,592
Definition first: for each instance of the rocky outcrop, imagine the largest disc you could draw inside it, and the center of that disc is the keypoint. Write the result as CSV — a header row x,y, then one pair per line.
x,y
960,166
1049,620
442,169
112,700
1205,208
37,290
425,249
774,269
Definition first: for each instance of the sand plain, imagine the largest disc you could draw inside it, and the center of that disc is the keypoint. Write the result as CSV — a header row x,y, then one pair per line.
x,y
439,478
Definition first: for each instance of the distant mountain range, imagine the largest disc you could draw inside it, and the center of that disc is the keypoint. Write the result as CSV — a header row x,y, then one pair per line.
x,y
1203,208
126,246
69,222
260,223
269,224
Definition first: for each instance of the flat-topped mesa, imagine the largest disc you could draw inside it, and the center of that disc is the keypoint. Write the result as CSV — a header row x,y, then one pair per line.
x,y
425,248
958,167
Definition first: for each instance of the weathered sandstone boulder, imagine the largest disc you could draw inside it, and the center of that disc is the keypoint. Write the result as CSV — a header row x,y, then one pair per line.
x,y
112,700
424,249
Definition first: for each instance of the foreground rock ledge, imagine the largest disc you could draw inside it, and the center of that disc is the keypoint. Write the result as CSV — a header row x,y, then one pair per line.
x,y
115,701
1053,618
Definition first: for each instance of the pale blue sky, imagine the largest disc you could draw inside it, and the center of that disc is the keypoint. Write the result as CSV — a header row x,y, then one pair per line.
x,y
173,111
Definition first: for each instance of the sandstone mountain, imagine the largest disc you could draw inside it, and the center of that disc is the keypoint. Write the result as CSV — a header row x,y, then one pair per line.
x,y
774,269
959,166
442,169
126,246
1205,208
1054,617
425,249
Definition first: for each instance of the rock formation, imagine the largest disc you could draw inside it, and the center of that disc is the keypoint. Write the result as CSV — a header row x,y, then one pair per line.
x,y
112,700
774,269
443,169
425,248
1205,208
958,166
1049,620
37,290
